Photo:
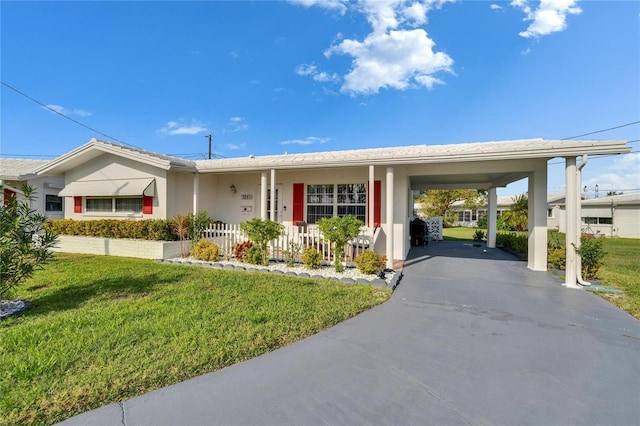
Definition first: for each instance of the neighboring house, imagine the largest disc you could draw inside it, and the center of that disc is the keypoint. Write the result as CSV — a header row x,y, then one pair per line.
x,y
16,172
610,216
107,180
469,217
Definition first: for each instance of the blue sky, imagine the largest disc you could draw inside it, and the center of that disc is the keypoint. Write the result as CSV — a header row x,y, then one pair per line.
x,y
307,75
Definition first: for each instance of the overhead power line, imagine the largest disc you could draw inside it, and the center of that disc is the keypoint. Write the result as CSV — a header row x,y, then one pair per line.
x,y
601,131
61,114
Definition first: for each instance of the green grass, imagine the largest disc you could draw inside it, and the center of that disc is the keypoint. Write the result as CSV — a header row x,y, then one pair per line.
x,y
458,234
104,329
621,269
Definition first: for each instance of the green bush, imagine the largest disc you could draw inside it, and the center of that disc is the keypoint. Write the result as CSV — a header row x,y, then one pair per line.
x,y
339,230
479,235
518,242
312,258
255,256
261,232
557,258
591,252
205,250
370,262
147,229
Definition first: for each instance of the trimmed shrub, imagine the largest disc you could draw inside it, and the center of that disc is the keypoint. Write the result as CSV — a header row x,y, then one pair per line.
x,y
370,262
518,242
205,250
147,229
254,255
312,258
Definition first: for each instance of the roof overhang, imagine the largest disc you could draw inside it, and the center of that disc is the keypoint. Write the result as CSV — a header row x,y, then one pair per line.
x,y
95,148
110,188
420,154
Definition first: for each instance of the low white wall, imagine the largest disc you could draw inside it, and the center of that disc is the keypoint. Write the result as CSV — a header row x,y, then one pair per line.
x,y
142,249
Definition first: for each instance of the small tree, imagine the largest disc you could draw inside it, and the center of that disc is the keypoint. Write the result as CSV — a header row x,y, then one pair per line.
x,y
180,226
339,230
261,232
516,218
25,245
591,253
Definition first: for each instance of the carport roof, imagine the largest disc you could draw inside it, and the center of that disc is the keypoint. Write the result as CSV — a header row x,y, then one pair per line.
x,y
419,154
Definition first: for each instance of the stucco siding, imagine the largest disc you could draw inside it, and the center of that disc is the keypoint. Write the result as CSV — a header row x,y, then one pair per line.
x,y
107,167
179,193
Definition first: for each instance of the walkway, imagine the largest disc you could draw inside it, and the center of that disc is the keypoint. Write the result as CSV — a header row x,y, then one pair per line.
x,y
468,338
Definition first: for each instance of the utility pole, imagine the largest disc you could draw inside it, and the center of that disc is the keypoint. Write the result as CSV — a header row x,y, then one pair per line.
x,y
209,136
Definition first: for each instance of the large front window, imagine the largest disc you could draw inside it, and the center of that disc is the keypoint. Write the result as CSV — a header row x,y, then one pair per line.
x,y
330,200
114,205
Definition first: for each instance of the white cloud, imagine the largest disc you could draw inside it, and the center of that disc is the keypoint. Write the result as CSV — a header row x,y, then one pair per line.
x,y
495,6
339,6
233,146
312,70
174,128
396,54
236,124
624,175
398,59
549,17
310,140
69,111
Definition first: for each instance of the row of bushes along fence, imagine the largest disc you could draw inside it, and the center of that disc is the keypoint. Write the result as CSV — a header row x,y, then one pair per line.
x,y
149,229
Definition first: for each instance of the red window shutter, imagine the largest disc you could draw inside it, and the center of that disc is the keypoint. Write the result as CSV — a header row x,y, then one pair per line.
x,y
377,202
298,202
8,195
147,204
77,204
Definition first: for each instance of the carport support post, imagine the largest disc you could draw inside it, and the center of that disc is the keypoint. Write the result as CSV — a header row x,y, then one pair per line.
x,y
263,196
372,182
571,203
196,192
492,218
389,218
273,196
537,215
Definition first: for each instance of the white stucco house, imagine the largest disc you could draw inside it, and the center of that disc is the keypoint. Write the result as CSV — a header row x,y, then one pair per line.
x,y
610,216
107,180
16,172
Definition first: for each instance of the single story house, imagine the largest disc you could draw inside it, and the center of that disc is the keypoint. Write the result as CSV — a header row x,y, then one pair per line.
x,y
107,180
16,172
610,216
469,217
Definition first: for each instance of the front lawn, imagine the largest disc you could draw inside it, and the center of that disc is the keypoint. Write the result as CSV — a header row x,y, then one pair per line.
x,y
104,329
621,269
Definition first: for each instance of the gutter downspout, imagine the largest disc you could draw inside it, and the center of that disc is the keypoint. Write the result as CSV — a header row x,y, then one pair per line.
x,y
583,162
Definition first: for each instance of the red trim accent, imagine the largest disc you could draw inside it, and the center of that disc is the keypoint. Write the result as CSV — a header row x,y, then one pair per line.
x,y
77,204
147,204
377,202
8,195
298,202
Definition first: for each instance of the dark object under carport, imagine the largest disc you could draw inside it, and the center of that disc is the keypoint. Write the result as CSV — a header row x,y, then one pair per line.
x,y
418,232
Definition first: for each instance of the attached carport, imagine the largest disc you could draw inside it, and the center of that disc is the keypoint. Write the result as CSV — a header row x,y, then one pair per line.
x,y
492,165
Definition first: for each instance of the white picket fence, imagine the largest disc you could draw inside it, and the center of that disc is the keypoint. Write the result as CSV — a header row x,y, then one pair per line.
x,y
226,236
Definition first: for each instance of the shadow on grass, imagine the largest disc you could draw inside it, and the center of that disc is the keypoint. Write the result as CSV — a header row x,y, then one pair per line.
x,y
71,297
